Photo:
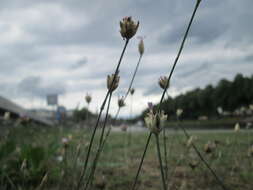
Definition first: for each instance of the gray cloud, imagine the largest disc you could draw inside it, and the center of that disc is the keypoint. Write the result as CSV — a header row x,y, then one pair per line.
x,y
43,43
33,86
79,63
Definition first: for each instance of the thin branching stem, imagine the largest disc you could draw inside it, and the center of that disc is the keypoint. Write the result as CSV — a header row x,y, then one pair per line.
x,y
94,164
133,77
101,138
160,161
165,153
99,116
131,83
203,159
105,121
179,52
142,159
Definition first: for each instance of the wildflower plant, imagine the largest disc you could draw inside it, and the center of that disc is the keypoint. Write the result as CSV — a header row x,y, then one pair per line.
x,y
128,28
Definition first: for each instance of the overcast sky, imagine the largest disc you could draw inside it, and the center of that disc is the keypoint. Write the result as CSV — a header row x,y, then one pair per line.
x,y
70,46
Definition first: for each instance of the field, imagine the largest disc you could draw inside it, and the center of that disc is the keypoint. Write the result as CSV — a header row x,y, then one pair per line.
x,y
30,153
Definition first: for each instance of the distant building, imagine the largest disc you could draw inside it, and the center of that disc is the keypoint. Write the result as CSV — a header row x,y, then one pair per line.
x,y
17,111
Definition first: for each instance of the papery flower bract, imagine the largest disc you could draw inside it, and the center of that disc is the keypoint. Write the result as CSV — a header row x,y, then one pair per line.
x,y
88,98
179,112
209,147
155,121
141,46
128,28
237,127
163,80
112,85
7,115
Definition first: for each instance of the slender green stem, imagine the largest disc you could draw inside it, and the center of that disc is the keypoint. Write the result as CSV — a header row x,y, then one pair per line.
x,y
179,52
132,80
99,116
203,160
142,159
96,159
106,117
165,153
131,83
94,164
101,139
160,161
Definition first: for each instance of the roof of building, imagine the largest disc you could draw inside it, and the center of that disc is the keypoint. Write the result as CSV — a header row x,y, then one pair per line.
x,y
12,107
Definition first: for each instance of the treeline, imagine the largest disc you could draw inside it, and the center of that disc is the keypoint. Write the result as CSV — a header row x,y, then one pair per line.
x,y
230,95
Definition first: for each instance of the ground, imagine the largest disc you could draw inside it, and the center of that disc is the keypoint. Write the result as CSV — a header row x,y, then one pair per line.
x,y
29,153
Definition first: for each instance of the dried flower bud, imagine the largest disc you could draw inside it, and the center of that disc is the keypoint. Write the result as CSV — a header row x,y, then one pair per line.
x,y
179,112
155,121
112,86
132,91
7,116
191,141
141,46
124,128
65,142
88,98
209,147
163,82
237,127
193,164
250,151
121,102
128,28
23,165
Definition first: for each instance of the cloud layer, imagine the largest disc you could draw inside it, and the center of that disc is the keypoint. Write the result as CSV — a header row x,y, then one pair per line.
x,y
69,47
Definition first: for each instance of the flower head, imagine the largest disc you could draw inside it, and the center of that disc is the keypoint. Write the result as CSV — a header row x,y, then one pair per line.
x,y
112,84
88,98
163,80
141,46
7,115
237,127
179,112
128,28
155,121
121,102
132,91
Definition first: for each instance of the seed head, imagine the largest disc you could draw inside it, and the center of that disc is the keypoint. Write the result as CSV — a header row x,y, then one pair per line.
x,y
88,98
128,28
250,151
7,115
132,91
237,127
121,102
141,46
155,121
209,147
163,80
112,85
179,112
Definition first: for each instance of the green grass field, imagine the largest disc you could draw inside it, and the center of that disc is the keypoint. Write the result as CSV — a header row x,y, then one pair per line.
x,y
28,153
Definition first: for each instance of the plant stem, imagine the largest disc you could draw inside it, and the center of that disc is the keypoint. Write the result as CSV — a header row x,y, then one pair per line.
x,y
101,138
179,52
94,164
203,160
132,80
142,159
99,116
105,121
165,153
160,161
89,180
